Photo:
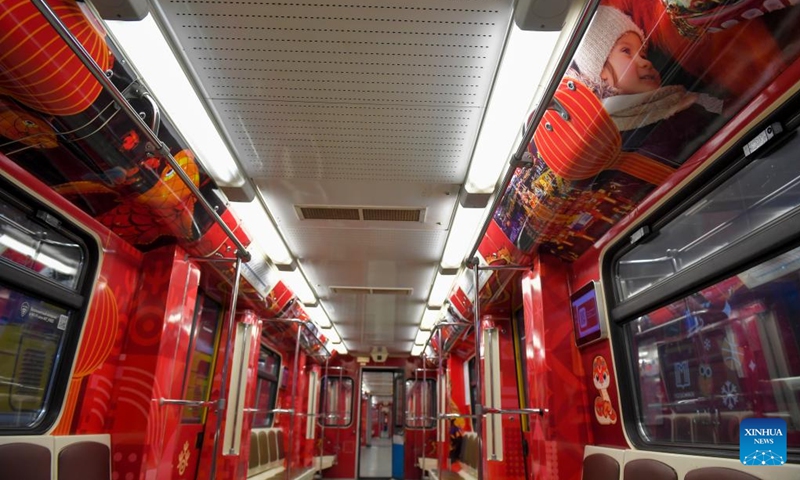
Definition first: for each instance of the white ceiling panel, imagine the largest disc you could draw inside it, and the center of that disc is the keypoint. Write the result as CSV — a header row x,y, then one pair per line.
x,y
351,104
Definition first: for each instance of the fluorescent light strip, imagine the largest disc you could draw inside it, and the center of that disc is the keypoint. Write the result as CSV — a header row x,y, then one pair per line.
x,y
442,285
513,94
297,282
422,337
149,52
430,318
332,335
263,231
319,316
417,350
466,226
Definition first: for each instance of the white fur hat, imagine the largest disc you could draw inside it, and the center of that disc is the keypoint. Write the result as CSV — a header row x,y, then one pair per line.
x,y
607,26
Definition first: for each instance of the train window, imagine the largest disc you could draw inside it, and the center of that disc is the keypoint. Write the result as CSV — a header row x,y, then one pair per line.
x,y
420,403
706,310
269,364
29,242
756,196
200,357
42,302
472,373
727,352
337,401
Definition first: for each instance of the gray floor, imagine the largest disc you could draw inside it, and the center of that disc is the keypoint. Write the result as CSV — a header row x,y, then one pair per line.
x,y
376,461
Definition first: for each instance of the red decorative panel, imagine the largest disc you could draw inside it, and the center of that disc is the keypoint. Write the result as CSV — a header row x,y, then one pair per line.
x,y
38,68
556,374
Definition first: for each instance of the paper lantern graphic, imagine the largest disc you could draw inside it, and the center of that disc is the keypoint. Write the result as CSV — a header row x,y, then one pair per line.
x,y
38,69
578,139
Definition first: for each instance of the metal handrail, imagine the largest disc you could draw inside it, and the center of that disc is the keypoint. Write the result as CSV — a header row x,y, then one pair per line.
x,y
162,149
304,324
187,403
515,411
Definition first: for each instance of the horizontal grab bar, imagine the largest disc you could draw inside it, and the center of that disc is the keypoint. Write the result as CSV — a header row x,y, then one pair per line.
x,y
513,411
186,403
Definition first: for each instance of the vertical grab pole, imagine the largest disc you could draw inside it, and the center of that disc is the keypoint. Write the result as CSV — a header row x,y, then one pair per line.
x,y
424,400
491,332
336,417
228,347
295,379
322,425
442,388
479,401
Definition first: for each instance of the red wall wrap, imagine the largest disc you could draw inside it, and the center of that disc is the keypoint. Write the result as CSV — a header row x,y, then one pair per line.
x,y
556,373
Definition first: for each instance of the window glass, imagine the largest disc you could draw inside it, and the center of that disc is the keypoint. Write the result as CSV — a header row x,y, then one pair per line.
x,y
474,395
266,387
727,352
757,195
31,340
420,403
337,401
39,248
201,357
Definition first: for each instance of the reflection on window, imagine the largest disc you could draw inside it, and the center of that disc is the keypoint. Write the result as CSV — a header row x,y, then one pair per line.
x,y
269,364
759,194
728,352
38,247
337,401
31,338
201,357
420,403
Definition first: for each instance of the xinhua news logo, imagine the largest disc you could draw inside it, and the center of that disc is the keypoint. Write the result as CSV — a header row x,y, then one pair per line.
x,y
762,441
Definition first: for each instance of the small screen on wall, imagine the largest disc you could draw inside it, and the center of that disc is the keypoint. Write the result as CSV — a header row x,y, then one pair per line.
x,y
585,315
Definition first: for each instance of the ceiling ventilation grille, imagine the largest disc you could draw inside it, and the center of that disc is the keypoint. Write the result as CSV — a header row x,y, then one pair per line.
x,y
361,213
371,290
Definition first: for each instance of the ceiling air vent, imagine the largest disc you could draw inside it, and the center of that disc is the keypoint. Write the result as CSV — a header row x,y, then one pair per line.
x,y
392,214
366,214
325,213
371,290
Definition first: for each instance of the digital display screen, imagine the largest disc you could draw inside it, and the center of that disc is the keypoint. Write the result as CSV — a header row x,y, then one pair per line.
x,y
585,315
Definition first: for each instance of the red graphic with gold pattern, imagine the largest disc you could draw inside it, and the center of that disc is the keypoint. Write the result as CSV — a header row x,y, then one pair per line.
x,y
165,208
38,68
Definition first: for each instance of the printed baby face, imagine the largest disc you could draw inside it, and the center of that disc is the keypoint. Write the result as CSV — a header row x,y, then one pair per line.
x,y
628,69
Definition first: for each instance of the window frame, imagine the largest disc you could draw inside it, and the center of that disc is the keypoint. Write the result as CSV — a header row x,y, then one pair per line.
x,y
432,389
274,381
323,397
771,241
24,281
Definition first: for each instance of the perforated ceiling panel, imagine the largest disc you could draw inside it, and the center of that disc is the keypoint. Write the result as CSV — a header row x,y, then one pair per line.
x,y
351,104
321,90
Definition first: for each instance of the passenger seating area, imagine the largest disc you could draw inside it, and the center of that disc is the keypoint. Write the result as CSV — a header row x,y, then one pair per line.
x,y
267,457
465,468
602,463
78,457
266,454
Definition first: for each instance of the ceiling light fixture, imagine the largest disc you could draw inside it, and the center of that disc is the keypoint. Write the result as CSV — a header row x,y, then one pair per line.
x,y
147,49
263,231
417,350
339,347
466,225
524,61
430,318
297,283
318,315
422,337
442,285
332,335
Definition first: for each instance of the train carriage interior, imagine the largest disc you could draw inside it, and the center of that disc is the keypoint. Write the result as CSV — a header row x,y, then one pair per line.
x,y
399,239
